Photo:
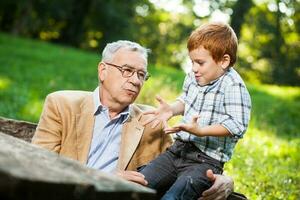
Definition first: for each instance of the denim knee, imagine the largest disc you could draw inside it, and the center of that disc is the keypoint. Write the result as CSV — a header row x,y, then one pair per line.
x,y
186,188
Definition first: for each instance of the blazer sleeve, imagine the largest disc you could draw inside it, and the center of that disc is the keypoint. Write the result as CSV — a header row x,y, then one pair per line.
x,y
49,130
167,140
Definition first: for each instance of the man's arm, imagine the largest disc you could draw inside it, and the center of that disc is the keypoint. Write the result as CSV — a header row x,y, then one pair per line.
x,y
48,132
222,187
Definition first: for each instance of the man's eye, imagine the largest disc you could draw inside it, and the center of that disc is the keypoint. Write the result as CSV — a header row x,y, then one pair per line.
x,y
142,74
127,69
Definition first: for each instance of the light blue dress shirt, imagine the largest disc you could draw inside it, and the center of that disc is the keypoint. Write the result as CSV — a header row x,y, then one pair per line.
x,y
105,145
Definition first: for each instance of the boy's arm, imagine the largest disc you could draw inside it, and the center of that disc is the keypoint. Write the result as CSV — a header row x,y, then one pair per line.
x,y
216,130
237,105
164,112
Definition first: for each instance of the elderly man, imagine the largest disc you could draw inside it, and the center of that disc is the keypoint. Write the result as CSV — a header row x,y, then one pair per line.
x,y
103,129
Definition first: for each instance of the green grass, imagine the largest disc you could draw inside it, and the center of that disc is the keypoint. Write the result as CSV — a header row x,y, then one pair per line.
x,y
266,162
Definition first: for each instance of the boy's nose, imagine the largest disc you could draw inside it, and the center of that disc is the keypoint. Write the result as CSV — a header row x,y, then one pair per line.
x,y
195,68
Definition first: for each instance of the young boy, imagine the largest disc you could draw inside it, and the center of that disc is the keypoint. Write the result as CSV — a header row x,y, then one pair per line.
x,y
216,107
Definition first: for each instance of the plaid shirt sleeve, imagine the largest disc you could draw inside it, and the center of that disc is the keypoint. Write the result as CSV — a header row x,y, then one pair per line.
x,y
237,104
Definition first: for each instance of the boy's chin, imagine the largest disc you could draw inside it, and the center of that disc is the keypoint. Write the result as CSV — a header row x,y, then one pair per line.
x,y
202,83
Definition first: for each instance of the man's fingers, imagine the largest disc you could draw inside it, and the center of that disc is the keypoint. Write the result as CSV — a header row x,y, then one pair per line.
x,y
149,112
165,125
220,189
210,175
213,195
160,100
133,176
148,121
155,123
212,190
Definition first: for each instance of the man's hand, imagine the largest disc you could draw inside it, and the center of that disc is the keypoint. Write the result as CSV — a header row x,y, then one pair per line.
x,y
133,176
221,188
192,127
162,114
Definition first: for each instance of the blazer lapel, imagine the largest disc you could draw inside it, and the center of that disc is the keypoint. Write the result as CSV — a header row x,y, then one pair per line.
x,y
84,128
132,132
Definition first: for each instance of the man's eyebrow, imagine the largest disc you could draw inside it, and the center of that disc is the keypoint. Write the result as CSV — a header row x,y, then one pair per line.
x,y
140,70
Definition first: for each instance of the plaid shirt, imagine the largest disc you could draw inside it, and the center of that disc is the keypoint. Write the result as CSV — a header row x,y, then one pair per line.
x,y
224,101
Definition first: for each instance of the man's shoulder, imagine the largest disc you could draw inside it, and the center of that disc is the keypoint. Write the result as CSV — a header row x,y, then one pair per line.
x,y
69,94
68,97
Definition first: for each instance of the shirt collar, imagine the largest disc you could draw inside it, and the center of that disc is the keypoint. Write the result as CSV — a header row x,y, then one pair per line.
x,y
97,104
98,107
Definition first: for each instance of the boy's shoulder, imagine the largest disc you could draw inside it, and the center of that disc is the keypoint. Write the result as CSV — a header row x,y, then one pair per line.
x,y
232,77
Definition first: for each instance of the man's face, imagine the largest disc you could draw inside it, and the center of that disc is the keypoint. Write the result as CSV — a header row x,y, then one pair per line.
x,y
205,68
115,87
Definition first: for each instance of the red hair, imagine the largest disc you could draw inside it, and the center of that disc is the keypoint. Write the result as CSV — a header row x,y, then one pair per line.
x,y
218,38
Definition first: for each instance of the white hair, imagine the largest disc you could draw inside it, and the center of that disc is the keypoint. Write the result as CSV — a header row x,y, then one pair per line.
x,y
111,48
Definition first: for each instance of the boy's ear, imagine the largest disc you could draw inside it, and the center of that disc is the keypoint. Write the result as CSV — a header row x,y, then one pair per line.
x,y
102,71
225,61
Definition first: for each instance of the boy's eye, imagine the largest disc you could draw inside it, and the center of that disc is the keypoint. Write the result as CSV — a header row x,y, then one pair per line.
x,y
199,62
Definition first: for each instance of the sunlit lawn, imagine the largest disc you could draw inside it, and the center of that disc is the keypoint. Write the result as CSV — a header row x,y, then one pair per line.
x,y
266,162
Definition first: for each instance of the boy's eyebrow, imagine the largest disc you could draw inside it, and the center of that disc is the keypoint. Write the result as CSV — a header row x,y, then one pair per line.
x,y
197,60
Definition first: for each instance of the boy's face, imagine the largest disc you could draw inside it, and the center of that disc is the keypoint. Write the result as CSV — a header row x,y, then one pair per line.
x,y
204,66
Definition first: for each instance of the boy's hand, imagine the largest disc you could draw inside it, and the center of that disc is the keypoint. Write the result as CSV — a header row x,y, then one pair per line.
x,y
192,127
162,114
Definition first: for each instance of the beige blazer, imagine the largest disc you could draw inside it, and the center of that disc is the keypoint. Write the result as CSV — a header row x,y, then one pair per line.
x,y
66,127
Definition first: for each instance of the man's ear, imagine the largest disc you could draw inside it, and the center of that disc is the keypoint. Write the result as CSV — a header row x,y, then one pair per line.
x,y
102,71
225,61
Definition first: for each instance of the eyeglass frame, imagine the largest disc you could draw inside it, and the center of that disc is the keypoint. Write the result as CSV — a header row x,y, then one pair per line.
x,y
120,68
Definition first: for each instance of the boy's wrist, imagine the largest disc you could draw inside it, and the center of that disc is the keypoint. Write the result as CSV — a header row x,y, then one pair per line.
x,y
200,131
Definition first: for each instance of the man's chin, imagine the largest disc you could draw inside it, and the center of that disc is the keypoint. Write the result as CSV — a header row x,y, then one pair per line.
x,y
129,99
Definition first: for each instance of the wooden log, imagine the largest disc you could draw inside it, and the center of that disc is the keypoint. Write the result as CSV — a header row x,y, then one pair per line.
x,y
19,129
29,172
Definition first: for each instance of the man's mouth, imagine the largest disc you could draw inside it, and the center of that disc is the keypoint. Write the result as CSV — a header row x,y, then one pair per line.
x,y
131,92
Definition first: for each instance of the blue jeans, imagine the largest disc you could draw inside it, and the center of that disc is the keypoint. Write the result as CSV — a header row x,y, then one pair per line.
x,y
180,172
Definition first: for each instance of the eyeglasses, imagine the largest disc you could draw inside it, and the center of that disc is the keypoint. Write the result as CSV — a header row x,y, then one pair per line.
x,y
128,71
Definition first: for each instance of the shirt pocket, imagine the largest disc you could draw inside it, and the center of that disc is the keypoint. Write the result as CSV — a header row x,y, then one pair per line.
x,y
212,107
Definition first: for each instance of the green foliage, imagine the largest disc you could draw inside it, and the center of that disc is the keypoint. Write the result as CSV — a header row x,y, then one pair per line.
x,y
266,162
269,30
29,70
270,43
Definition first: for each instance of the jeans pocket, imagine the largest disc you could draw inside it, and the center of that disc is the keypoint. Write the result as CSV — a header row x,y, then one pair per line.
x,y
216,166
